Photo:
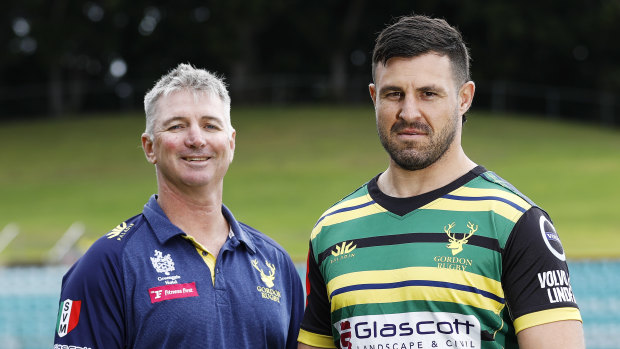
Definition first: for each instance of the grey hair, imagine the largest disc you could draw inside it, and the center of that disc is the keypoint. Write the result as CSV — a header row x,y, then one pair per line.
x,y
185,77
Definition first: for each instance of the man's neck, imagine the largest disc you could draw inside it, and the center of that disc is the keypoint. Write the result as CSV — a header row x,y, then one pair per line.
x,y
198,215
401,183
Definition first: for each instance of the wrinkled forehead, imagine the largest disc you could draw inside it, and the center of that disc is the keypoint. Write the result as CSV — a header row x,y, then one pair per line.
x,y
189,102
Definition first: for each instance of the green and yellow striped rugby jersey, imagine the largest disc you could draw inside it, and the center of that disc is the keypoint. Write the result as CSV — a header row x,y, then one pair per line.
x,y
431,271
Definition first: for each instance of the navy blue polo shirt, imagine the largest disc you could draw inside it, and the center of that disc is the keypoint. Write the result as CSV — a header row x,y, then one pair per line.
x,y
144,285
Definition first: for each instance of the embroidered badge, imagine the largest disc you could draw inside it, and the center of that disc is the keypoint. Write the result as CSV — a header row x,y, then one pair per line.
x,y
161,263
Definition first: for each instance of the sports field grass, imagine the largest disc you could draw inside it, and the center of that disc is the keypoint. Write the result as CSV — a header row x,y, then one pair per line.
x,y
292,163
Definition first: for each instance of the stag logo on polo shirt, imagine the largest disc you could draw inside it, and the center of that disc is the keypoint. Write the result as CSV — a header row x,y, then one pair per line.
x,y
267,278
267,292
68,316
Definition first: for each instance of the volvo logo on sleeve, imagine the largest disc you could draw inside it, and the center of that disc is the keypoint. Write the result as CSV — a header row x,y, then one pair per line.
x,y
551,238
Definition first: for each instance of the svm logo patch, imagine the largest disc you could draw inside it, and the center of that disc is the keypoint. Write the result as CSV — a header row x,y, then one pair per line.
x,y
68,316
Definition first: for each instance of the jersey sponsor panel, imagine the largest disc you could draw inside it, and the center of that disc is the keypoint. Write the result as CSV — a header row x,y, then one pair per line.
x,y
420,329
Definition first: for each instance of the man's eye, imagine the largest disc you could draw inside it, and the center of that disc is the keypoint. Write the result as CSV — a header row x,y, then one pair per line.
x,y
174,127
395,94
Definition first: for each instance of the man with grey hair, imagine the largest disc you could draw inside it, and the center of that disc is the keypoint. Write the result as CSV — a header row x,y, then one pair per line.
x,y
184,273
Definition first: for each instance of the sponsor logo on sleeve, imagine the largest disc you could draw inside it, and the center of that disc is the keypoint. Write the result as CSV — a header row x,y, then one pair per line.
x,y
68,316
551,238
167,292
557,284
410,330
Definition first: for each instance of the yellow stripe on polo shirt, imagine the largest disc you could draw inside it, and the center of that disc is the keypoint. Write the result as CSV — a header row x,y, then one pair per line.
x,y
545,317
442,285
207,257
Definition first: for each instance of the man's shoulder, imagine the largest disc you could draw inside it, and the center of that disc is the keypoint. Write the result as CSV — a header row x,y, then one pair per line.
x,y
115,241
358,197
103,258
263,241
489,179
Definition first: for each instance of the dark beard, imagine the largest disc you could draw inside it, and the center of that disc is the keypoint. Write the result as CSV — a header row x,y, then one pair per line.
x,y
412,158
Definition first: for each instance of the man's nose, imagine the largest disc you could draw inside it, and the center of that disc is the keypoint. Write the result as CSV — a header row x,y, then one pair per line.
x,y
410,108
196,138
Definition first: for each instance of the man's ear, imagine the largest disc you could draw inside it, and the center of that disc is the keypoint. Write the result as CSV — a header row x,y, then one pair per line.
x,y
466,96
233,136
373,93
147,146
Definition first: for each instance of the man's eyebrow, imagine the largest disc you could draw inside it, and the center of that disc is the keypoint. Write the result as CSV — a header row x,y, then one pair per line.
x,y
184,118
431,88
174,119
210,117
389,88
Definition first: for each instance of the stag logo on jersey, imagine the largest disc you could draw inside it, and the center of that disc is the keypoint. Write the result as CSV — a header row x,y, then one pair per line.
x,y
161,263
551,238
456,245
119,232
68,316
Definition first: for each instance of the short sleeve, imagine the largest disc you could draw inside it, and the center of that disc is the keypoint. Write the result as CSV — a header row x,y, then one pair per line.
x,y
297,306
91,302
315,327
535,274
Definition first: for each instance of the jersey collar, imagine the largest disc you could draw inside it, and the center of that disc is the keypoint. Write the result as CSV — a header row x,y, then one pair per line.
x,y
165,230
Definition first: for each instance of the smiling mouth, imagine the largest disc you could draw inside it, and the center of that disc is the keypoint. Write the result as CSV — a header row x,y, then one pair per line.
x,y
190,159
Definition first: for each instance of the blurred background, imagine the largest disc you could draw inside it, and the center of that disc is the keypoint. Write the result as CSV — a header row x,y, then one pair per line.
x,y
546,117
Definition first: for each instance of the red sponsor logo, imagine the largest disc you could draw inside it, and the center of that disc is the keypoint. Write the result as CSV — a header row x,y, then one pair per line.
x,y
164,293
345,335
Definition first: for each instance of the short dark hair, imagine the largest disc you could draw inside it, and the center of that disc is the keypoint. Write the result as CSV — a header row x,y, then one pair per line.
x,y
415,35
